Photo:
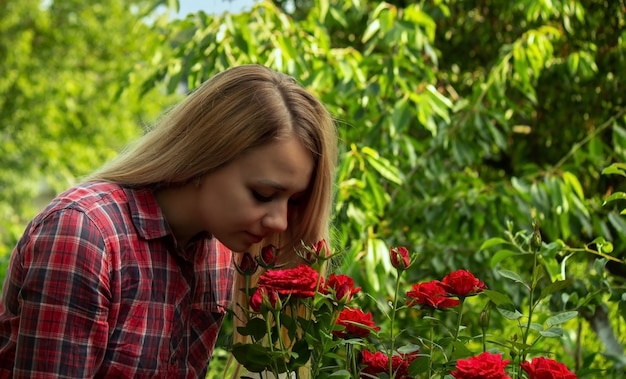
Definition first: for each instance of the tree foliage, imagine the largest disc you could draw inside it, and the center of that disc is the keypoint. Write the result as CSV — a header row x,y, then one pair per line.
x,y
67,104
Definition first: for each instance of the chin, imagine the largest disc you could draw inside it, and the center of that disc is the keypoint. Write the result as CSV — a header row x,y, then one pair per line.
x,y
237,246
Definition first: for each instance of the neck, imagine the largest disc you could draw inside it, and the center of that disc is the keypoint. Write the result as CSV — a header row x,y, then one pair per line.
x,y
177,207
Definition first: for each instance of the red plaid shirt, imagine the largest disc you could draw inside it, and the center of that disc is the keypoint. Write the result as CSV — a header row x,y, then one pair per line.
x,y
97,287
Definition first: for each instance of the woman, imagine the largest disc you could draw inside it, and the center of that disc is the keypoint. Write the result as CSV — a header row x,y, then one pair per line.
x,y
130,273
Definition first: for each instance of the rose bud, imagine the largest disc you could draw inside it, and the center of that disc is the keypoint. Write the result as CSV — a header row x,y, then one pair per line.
x,y
399,257
268,256
322,250
247,266
485,317
319,251
262,299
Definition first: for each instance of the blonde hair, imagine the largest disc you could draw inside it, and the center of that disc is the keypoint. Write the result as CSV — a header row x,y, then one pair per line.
x,y
237,110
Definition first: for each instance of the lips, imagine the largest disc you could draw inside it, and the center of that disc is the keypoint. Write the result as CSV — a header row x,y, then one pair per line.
x,y
254,238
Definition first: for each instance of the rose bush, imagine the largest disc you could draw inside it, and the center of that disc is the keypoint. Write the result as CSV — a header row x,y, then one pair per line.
x,y
297,320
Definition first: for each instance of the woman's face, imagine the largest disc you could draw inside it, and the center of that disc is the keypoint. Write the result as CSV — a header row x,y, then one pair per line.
x,y
249,199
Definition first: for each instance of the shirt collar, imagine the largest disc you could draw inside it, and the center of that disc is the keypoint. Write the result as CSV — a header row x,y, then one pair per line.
x,y
150,222
146,213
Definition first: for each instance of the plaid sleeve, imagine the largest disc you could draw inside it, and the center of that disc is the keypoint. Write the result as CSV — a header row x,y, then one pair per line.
x,y
64,294
214,290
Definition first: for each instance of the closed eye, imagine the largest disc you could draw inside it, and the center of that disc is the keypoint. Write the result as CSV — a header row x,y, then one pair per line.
x,y
295,201
261,198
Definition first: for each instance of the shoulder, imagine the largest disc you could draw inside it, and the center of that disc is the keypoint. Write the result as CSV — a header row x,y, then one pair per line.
x,y
89,195
100,203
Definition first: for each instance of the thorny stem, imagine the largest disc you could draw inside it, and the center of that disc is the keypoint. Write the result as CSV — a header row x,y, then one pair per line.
x,y
531,300
432,348
393,317
268,326
247,288
458,324
351,361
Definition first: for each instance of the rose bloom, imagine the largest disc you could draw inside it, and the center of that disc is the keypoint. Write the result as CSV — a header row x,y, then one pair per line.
x,y
483,366
342,286
463,283
356,323
400,364
399,257
546,368
430,294
375,363
378,363
299,282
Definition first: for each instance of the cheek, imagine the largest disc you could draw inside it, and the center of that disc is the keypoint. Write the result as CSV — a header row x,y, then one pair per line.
x,y
230,206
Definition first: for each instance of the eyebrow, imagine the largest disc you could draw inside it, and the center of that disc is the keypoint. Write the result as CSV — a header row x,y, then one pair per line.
x,y
273,184
278,186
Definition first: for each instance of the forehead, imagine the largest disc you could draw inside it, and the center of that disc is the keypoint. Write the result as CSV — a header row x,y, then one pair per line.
x,y
285,165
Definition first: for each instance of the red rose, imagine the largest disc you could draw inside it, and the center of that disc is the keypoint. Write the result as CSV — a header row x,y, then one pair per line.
x,y
356,323
268,256
463,283
400,364
399,257
262,296
546,368
342,286
483,366
430,294
375,363
247,266
300,282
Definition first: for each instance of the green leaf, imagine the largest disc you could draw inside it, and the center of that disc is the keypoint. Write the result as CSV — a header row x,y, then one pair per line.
x,y
253,357
501,255
552,333
561,318
555,287
371,30
614,197
512,275
510,314
377,193
340,374
301,353
493,242
440,104
536,326
574,183
460,350
255,327
419,366
382,166
497,298
615,169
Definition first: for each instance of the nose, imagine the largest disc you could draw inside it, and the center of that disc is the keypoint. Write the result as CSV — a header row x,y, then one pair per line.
x,y
275,219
